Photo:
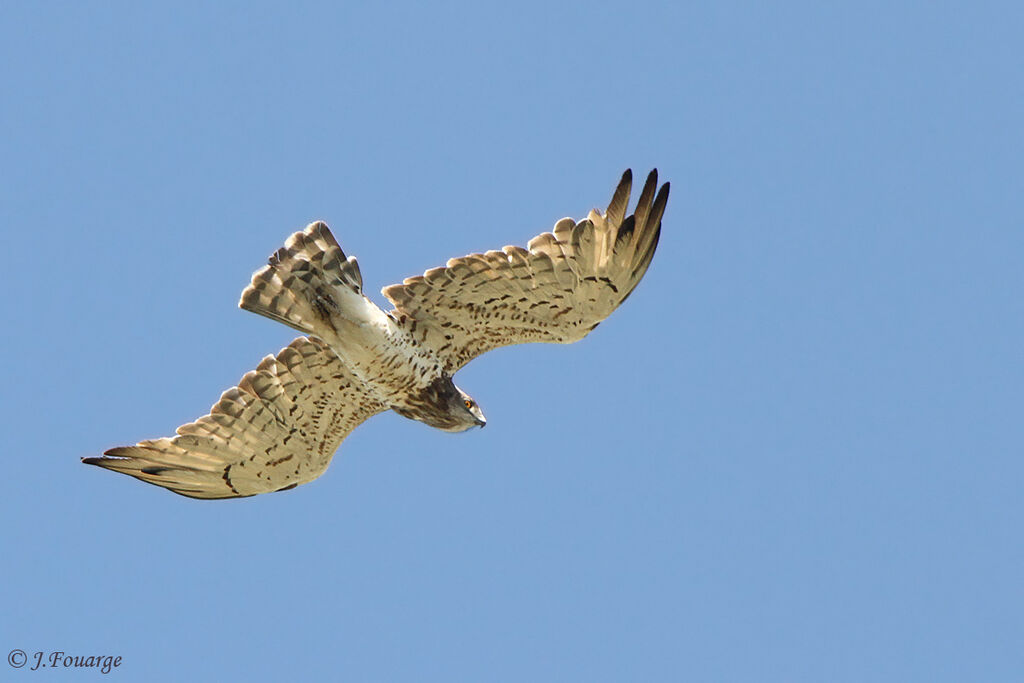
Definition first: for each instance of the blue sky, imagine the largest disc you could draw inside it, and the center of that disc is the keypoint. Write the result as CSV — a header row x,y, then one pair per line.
x,y
795,454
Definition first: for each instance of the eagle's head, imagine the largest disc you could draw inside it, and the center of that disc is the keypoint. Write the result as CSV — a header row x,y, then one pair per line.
x,y
464,411
443,405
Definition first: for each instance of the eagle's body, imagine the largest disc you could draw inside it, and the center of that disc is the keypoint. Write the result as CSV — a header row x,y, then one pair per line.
x,y
283,422
380,350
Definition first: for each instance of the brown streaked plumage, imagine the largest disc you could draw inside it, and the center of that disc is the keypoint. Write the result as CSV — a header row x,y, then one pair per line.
x,y
283,422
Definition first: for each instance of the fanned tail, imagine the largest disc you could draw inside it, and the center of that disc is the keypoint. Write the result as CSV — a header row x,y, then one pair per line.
x,y
305,281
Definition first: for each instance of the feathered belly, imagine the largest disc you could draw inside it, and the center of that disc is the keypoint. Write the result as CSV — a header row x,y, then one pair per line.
x,y
386,359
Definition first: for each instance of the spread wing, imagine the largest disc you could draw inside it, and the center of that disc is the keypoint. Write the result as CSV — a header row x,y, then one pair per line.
x,y
556,290
278,428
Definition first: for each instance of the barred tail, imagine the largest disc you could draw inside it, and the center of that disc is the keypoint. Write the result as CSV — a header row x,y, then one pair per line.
x,y
304,281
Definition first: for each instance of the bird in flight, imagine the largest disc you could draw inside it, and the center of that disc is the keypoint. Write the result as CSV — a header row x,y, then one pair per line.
x,y
283,422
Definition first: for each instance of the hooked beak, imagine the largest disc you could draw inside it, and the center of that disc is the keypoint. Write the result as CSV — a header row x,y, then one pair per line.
x,y
481,423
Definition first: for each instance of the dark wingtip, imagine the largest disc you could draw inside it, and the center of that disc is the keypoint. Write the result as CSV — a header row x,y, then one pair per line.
x,y
658,207
110,455
619,203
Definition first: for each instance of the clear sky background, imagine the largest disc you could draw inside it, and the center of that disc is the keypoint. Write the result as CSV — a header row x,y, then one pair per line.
x,y
795,454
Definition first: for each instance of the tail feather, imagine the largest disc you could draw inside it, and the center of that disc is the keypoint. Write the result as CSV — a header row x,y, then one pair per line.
x,y
300,285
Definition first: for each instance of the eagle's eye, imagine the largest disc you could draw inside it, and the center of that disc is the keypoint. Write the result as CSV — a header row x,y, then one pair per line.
x,y
469,404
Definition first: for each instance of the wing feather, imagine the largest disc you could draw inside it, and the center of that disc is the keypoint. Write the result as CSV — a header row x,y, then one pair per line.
x,y
278,428
557,289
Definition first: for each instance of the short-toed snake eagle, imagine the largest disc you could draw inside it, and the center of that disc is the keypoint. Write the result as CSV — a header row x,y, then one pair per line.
x,y
283,422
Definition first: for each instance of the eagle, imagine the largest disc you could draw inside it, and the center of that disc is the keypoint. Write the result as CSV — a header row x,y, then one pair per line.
x,y
282,424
